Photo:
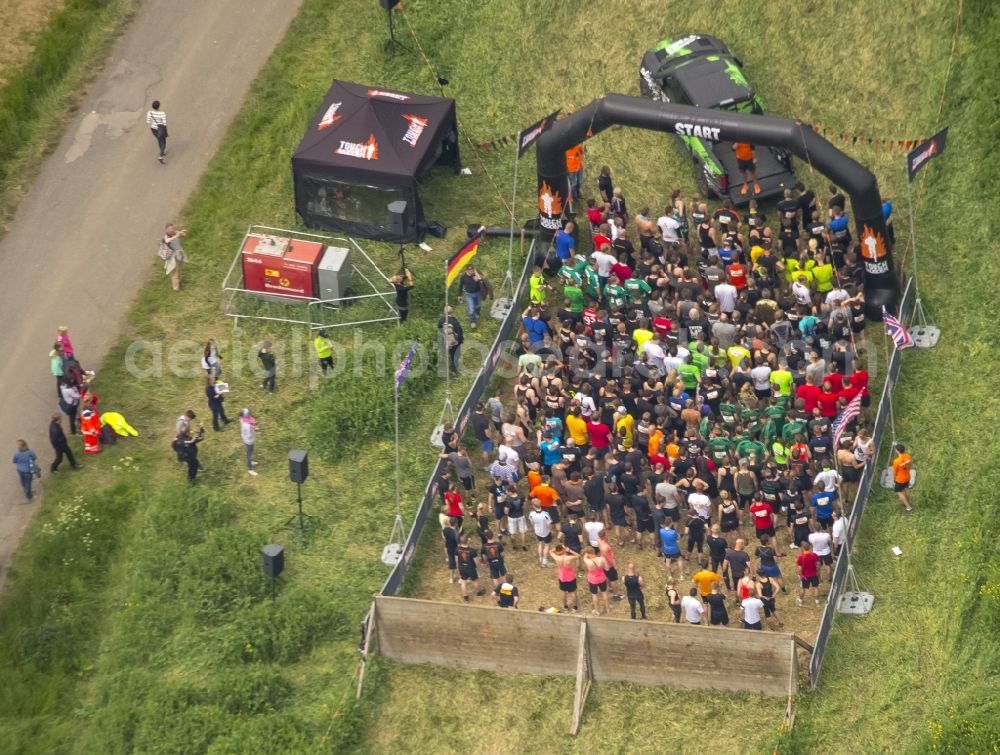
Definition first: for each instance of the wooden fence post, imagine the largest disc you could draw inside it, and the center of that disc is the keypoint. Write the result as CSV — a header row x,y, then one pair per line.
x,y
369,635
583,679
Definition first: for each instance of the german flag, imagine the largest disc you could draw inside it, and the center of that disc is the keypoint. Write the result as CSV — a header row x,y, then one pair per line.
x,y
462,258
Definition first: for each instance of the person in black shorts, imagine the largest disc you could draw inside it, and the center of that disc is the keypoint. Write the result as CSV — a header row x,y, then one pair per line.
x,y
633,591
403,284
493,554
765,591
695,531
718,615
674,601
643,520
467,572
450,534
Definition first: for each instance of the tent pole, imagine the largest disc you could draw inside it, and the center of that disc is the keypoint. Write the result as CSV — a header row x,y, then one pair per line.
x,y
509,278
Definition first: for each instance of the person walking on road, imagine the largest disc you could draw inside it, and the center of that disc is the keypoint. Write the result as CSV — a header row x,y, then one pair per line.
x,y
26,464
248,432
156,119
57,437
173,254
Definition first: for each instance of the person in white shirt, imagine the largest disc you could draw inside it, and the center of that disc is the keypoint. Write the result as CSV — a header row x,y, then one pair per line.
x,y
761,376
506,451
820,541
542,525
655,353
725,294
800,289
701,504
752,608
692,606
594,528
156,119
836,297
669,227
604,262
838,532
829,479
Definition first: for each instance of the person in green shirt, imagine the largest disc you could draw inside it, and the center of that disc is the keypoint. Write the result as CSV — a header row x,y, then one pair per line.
x,y
823,276
782,379
614,293
699,358
690,375
579,263
746,447
592,283
569,276
574,294
638,289
324,350
720,447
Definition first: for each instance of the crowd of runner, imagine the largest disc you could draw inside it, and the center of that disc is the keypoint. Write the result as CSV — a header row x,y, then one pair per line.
x,y
679,375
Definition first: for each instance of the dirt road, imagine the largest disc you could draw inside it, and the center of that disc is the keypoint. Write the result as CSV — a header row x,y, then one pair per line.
x,y
90,222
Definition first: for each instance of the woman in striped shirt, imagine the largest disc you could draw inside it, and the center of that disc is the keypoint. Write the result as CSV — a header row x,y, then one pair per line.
x,y
156,119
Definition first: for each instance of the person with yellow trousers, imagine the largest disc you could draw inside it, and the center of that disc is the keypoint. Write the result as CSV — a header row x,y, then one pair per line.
x,y
118,424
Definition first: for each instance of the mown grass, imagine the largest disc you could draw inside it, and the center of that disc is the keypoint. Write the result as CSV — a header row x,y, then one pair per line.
x,y
174,645
39,96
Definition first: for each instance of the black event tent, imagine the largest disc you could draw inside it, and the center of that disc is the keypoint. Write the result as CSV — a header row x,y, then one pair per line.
x,y
365,149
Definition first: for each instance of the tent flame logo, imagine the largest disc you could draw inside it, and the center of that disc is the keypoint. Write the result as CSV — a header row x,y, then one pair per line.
x,y
549,202
329,117
872,246
364,150
415,129
390,95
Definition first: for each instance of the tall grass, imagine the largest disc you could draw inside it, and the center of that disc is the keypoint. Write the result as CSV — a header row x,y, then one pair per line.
x,y
38,96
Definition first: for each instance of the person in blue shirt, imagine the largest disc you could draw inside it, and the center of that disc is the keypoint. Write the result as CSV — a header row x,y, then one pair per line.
x,y
25,462
670,548
534,326
822,503
840,234
550,452
565,243
553,425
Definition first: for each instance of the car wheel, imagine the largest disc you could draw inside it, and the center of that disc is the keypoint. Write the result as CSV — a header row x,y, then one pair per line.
x,y
699,176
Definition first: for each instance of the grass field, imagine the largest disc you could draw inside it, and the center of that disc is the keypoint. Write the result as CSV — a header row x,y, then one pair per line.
x,y
51,53
155,632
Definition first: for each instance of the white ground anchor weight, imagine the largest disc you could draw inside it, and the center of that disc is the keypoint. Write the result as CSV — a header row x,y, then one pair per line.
x,y
854,601
924,335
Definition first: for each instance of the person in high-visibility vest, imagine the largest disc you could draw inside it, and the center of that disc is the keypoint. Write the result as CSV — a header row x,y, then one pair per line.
x,y
90,426
324,350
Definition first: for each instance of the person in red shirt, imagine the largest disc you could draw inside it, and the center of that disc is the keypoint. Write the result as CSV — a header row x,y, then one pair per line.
x,y
809,393
594,214
848,389
763,518
600,438
827,401
602,237
859,379
737,275
454,501
808,563
661,325
621,269
836,381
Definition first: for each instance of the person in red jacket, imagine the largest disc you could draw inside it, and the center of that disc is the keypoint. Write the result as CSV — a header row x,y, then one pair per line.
x,y
600,438
808,563
90,426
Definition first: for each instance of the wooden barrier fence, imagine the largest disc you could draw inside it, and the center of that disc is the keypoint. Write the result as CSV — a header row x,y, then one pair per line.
x,y
588,648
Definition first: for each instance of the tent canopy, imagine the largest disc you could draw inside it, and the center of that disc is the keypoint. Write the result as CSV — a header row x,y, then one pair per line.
x,y
365,150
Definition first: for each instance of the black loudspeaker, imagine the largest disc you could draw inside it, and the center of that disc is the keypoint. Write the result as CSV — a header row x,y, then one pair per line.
x,y
298,466
397,217
437,229
388,4
274,560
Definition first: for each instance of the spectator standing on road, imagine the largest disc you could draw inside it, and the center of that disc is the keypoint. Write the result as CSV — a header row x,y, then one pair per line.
x,y
156,119
472,286
70,402
268,363
248,433
57,365
26,464
173,254
57,437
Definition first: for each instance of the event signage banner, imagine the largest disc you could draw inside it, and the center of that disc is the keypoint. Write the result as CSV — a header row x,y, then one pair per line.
x,y
528,136
923,152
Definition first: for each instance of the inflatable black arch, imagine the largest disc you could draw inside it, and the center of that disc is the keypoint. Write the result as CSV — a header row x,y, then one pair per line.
x,y
881,283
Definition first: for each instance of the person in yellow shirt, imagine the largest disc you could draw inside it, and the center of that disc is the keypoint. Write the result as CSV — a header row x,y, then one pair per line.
x,y
324,350
738,353
576,425
625,426
705,578
640,335
823,275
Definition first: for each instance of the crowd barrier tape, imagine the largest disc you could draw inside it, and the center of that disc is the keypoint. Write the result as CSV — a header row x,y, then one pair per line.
x,y
871,473
475,394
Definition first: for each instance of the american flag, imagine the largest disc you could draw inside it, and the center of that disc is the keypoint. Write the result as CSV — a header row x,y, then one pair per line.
x,y
899,334
852,410
404,367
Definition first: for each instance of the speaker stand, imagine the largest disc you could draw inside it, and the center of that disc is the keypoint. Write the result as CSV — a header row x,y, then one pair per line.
x,y
300,520
392,43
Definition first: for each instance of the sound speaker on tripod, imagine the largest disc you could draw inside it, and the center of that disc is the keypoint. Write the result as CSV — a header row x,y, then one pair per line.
x,y
298,466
